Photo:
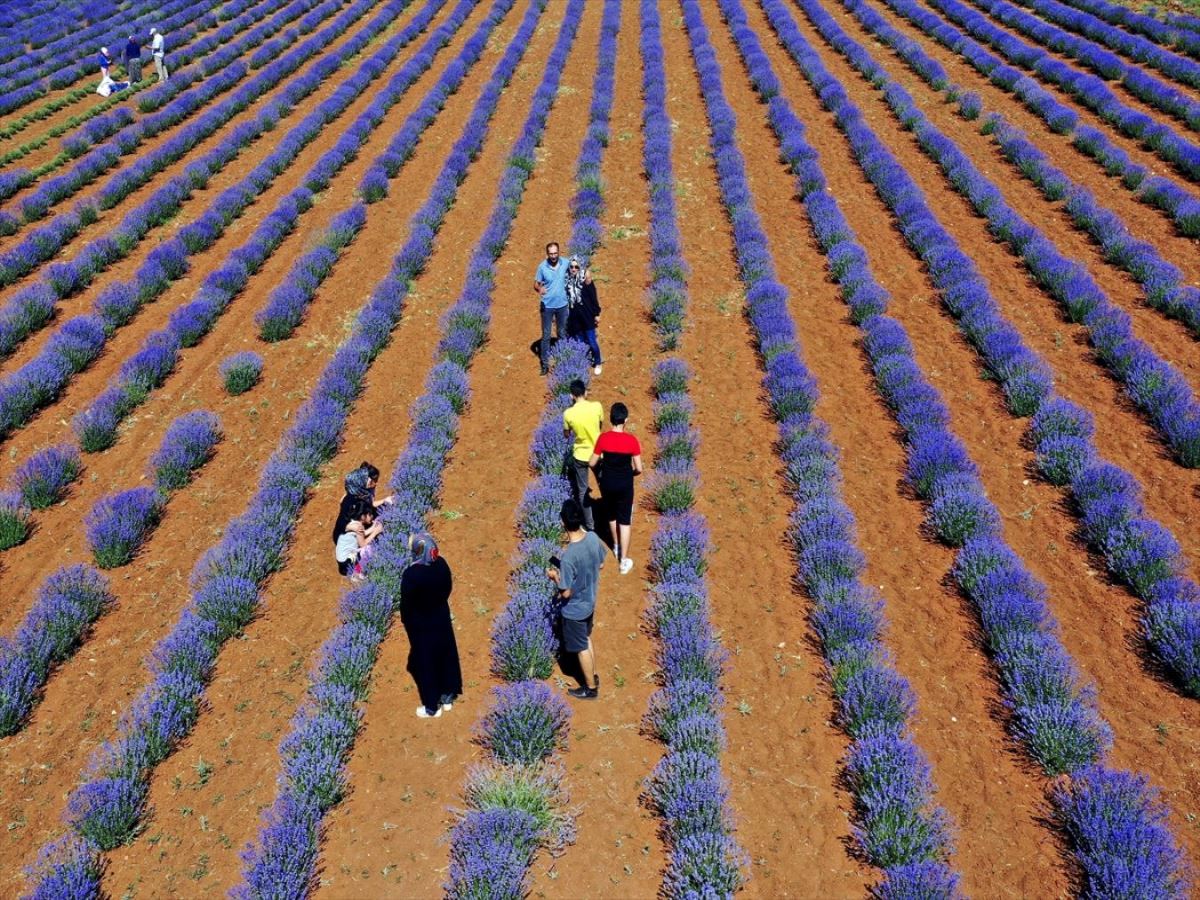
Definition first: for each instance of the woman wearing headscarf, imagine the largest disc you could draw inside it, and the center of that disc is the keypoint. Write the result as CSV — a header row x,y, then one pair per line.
x,y
584,308
360,487
425,612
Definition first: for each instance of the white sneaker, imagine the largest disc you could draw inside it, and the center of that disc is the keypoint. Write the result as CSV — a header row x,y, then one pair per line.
x,y
597,370
626,566
423,713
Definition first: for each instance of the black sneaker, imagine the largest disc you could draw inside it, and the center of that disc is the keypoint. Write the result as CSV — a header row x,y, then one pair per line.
x,y
583,693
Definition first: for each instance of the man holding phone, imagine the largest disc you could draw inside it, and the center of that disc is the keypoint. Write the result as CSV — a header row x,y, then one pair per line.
x,y
577,576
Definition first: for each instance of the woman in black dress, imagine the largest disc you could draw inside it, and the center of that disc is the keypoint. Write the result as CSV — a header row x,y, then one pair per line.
x,y
425,611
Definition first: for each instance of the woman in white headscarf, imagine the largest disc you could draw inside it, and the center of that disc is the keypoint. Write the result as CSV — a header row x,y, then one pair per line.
x,y
584,304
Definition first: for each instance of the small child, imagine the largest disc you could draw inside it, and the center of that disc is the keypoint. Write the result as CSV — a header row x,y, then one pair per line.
x,y
355,544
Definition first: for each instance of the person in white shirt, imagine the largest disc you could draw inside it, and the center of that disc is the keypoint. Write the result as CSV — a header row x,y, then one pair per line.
x,y
157,48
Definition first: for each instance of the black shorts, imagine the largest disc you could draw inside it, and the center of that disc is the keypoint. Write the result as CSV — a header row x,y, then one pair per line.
x,y
618,500
576,633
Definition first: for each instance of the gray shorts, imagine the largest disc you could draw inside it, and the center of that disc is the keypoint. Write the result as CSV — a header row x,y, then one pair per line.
x,y
576,633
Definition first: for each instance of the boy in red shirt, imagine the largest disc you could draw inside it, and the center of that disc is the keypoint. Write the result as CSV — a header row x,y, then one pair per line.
x,y
620,458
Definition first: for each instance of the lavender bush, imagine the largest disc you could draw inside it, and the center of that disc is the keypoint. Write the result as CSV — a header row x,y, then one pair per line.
x,y
119,523
14,519
241,371
44,477
186,446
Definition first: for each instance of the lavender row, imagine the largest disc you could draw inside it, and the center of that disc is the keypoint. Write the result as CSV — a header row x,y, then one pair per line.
x,y
1115,820
72,57
685,712
1138,551
282,862
285,308
1090,90
67,604
104,811
79,340
37,115
96,426
1162,283
1153,385
1160,32
899,827
40,482
119,523
72,599
1133,46
1156,191
527,722
21,260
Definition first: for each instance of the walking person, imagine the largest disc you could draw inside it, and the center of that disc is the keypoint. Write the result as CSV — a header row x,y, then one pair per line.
x,y
425,590
577,577
550,282
133,60
158,48
584,316
582,421
619,456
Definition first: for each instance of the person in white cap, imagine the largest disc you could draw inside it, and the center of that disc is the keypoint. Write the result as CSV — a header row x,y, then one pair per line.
x,y
156,47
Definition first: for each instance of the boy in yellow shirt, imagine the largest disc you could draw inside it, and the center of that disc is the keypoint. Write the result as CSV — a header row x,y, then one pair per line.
x,y
582,420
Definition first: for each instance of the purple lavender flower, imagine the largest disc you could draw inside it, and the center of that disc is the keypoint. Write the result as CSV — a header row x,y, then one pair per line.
x,y
241,371
119,523
69,867
526,723
44,477
1117,825
186,446
490,854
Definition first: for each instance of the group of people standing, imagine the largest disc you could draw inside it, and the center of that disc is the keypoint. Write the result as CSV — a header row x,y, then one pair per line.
x,y
569,304
132,58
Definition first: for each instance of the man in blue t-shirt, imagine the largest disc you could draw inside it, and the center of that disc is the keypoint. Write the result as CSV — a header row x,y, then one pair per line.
x,y
551,285
577,576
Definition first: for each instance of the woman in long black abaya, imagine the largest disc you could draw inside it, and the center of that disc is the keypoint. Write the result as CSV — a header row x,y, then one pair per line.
x,y
425,611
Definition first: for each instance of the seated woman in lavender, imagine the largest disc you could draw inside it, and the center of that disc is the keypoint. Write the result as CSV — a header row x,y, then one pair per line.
x,y
354,543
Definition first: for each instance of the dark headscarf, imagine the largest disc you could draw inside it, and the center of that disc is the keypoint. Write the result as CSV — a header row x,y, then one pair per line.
x,y
423,547
356,484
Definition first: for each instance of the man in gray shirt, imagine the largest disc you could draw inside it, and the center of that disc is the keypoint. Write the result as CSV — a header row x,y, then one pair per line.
x,y
577,577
